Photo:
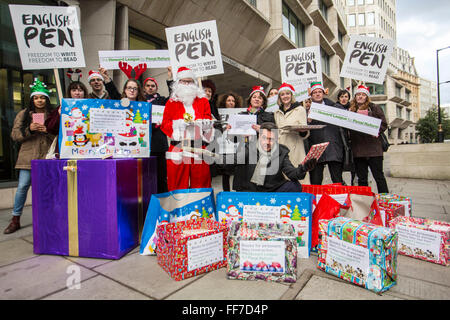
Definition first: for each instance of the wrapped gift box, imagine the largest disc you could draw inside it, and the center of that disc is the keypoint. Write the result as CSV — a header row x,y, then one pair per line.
x,y
189,248
395,198
423,239
358,252
260,251
390,210
284,207
90,208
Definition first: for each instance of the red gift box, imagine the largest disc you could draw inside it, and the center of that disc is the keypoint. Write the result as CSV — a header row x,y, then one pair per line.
x,y
188,248
390,211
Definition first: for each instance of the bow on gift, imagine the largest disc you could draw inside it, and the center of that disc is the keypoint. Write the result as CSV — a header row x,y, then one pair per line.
x,y
138,70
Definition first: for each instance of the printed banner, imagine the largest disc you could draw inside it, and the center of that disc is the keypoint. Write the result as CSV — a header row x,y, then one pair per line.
x,y
153,58
197,47
346,119
300,67
96,128
367,59
47,37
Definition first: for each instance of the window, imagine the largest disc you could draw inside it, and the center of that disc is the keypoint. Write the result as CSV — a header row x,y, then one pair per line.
x,y
361,19
408,114
252,2
376,89
398,91
292,27
138,40
383,107
360,2
351,20
350,2
399,111
340,37
325,62
323,9
408,96
370,18
369,1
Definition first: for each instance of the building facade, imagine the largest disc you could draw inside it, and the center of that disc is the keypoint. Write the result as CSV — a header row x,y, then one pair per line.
x,y
251,33
428,95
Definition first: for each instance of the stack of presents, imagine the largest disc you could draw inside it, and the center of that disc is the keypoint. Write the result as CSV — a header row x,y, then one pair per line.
x,y
104,208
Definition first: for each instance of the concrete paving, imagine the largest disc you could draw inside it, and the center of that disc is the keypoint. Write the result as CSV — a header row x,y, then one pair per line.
x,y
24,275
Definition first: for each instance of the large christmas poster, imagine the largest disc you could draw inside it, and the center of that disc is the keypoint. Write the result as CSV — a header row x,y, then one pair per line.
x,y
96,128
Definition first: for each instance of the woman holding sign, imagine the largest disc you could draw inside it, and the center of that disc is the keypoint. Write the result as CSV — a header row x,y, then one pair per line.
x,y
29,130
291,113
367,150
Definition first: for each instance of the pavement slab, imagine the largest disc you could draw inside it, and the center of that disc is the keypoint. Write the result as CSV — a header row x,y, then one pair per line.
x,y
14,251
420,289
37,277
98,288
423,270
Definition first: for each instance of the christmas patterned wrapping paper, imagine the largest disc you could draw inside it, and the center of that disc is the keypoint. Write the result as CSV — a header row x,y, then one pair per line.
x,y
189,248
390,210
423,239
316,151
358,252
395,198
260,251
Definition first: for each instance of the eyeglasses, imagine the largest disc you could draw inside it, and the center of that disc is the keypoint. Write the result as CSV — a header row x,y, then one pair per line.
x,y
131,89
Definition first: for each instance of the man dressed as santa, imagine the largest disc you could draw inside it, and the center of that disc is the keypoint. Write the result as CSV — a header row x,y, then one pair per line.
x,y
188,123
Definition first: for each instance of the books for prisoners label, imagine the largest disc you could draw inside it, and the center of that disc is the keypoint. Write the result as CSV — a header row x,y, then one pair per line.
x,y
348,257
419,242
205,251
262,256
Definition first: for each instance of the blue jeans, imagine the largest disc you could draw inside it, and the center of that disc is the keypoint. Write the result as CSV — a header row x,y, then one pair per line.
x,y
22,191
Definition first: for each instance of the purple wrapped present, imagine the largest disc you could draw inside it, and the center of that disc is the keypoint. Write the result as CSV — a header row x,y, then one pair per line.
x,y
90,208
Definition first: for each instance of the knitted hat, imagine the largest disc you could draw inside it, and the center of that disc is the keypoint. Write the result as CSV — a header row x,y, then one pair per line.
x,y
363,89
257,89
185,73
286,86
151,79
94,74
39,87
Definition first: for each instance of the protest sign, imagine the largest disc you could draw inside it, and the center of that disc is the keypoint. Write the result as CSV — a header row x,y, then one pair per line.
x,y
157,113
225,112
272,104
195,46
153,58
47,37
346,119
241,124
367,59
300,67
96,128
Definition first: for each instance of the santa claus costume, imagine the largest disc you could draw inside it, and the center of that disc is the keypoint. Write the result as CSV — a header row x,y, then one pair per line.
x,y
188,123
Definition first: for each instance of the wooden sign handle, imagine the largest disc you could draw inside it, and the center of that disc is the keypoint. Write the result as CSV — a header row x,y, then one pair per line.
x,y
199,80
58,85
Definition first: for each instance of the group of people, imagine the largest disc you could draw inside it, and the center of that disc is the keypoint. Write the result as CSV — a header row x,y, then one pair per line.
x,y
271,160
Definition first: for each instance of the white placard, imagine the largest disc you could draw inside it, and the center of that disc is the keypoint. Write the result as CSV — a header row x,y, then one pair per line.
x,y
153,58
48,37
262,256
419,242
257,214
300,67
367,59
107,120
301,92
272,104
225,112
204,251
241,124
348,257
157,113
195,46
344,118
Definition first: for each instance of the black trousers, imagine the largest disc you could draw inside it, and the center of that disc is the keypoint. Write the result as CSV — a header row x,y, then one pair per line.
x,y
161,165
290,186
335,168
375,164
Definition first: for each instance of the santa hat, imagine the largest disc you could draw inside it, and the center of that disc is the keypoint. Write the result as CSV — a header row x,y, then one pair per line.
x,y
257,89
363,89
286,86
317,85
94,74
151,79
185,73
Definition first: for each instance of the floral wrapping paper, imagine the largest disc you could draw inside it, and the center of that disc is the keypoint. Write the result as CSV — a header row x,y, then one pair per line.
x,y
380,242
172,252
395,198
391,210
439,227
262,232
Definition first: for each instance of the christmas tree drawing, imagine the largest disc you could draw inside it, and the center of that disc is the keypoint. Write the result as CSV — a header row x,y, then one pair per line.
x,y
137,117
204,213
296,214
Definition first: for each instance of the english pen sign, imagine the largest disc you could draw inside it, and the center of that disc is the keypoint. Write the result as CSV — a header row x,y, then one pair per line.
x,y
367,59
300,67
47,37
195,46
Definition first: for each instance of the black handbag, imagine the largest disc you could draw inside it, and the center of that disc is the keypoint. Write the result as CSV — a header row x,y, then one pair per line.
x,y
348,164
384,142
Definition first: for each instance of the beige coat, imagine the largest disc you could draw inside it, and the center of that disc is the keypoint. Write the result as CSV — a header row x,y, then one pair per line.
x,y
34,145
291,139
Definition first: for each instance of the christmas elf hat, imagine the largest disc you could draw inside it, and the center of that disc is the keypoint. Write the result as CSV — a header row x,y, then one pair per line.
x,y
39,87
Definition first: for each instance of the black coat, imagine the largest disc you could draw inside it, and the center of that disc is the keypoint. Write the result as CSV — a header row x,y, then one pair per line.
x,y
159,139
242,181
332,134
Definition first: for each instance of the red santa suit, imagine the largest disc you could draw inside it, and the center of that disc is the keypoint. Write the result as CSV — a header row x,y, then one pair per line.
x,y
186,169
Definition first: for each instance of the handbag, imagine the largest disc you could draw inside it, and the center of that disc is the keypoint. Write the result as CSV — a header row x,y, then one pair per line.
x,y
175,206
51,153
384,142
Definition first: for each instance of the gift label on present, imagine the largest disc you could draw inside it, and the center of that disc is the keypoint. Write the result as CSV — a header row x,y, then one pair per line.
x,y
347,257
419,242
257,214
205,251
262,256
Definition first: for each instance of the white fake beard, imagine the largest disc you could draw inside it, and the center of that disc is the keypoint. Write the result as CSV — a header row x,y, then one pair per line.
x,y
186,93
